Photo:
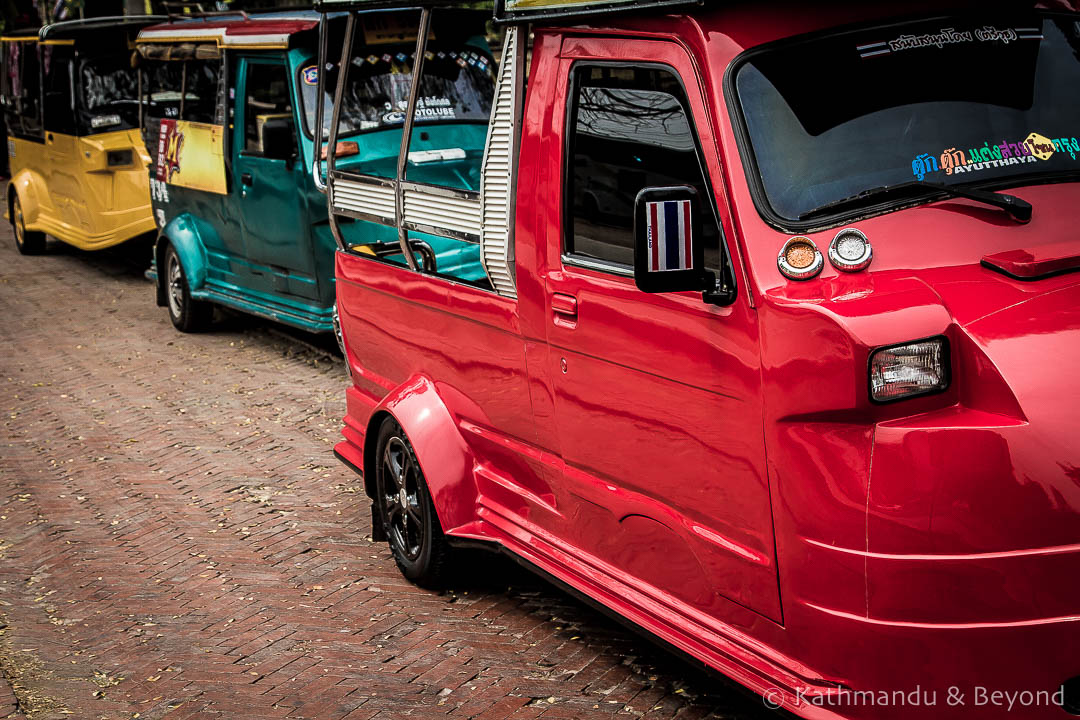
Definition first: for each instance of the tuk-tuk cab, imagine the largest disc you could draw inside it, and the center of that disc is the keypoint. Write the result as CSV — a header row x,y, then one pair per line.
x,y
71,104
771,358
230,107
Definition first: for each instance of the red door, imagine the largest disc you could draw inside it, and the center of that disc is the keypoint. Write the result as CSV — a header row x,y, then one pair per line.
x,y
657,397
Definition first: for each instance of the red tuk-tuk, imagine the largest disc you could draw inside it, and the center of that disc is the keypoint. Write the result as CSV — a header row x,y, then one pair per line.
x,y
763,357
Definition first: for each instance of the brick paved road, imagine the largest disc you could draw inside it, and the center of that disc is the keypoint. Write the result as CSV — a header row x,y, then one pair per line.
x,y
176,540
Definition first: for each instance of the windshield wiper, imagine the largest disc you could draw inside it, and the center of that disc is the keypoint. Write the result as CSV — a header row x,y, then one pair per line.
x,y
1019,209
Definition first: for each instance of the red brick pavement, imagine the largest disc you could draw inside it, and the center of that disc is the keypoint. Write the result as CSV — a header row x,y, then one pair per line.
x,y
177,541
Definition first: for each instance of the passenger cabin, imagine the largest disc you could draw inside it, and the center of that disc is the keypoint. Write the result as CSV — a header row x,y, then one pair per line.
x,y
70,97
230,114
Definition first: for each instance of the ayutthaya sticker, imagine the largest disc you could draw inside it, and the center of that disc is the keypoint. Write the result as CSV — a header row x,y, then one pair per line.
x,y
1033,148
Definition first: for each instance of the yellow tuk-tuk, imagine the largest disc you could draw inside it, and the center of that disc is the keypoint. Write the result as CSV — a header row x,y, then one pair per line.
x,y
70,96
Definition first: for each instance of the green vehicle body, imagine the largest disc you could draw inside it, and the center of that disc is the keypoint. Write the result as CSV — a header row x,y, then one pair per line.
x,y
265,246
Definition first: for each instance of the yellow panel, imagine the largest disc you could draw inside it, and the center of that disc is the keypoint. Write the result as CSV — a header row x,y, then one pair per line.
x,y
67,189
192,155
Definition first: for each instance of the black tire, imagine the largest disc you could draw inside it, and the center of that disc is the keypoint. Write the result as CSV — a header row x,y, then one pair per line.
x,y
408,516
27,242
187,314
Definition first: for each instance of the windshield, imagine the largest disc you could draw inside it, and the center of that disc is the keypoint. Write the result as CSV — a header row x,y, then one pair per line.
x,y
954,100
457,87
109,90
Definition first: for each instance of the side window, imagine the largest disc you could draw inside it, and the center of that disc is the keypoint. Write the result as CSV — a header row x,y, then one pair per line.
x,y
266,97
30,90
9,84
58,98
202,91
21,88
629,128
179,89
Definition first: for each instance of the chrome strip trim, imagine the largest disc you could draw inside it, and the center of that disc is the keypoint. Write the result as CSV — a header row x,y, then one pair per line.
x,y
598,265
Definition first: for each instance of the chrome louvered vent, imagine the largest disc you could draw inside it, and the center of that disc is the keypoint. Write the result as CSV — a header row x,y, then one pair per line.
x,y
499,171
364,198
442,212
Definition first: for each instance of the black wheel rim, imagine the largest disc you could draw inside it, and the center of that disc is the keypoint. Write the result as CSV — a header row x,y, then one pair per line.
x,y
401,505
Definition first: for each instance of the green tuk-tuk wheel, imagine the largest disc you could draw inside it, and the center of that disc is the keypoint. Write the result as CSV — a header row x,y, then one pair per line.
x,y
28,242
187,314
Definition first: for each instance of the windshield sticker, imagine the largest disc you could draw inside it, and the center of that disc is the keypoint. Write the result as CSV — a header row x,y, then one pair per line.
x,y
100,121
1033,148
310,75
948,36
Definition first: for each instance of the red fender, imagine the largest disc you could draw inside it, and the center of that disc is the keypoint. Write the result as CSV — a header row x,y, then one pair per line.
x,y
445,458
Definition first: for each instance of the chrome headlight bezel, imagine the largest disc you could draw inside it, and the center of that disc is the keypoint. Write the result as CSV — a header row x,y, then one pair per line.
x,y
878,356
793,273
844,265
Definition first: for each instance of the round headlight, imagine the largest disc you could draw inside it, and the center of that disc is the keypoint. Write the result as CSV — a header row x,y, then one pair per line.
x,y
850,251
800,259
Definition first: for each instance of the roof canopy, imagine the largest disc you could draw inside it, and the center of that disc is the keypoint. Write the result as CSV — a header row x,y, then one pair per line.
x,y
516,10
82,29
510,10
254,32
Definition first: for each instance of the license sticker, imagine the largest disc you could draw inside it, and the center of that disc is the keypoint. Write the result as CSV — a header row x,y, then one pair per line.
x,y
310,75
100,121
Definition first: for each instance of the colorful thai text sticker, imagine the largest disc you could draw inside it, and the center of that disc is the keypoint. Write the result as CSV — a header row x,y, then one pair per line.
x,y
310,75
402,57
387,57
372,59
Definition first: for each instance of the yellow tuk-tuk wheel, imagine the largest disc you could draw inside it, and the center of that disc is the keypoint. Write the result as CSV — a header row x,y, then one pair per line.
x,y
187,313
28,243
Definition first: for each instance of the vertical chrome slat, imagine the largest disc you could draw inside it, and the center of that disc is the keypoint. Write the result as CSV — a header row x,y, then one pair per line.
x,y
499,170
406,134
335,118
320,62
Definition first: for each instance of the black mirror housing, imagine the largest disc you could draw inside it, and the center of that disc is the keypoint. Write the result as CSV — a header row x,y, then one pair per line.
x,y
279,139
668,252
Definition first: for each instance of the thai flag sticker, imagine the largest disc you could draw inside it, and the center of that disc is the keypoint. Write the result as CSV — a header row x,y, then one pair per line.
x,y
668,225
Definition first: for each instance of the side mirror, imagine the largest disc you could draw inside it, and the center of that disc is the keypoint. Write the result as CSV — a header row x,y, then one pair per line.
x,y
669,255
278,139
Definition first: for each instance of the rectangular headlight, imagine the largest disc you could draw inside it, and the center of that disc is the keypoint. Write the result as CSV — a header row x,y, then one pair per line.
x,y
119,158
904,371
